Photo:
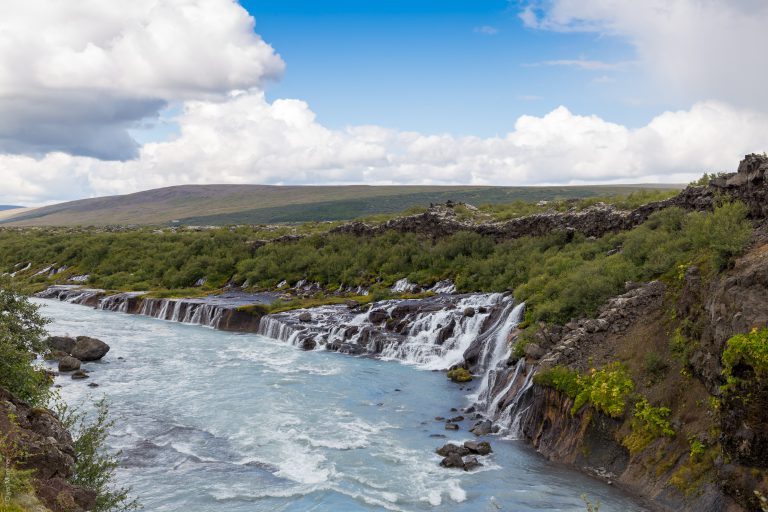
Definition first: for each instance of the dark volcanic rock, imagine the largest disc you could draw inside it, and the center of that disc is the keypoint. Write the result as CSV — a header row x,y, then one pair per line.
x,y
471,463
377,316
89,349
453,460
50,454
69,364
61,343
482,428
479,448
79,375
449,448
451,426
308,344
305,316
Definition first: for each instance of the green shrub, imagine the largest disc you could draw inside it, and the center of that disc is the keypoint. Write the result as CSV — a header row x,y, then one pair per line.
x,y
560,378
654,365
648,423
605,390
746,357
22,329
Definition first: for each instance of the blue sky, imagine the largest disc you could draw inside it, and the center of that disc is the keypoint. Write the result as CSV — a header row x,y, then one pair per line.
x,y
99,97
461,66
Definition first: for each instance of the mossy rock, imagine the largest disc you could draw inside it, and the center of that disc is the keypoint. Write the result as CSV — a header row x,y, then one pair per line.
x,y
459,375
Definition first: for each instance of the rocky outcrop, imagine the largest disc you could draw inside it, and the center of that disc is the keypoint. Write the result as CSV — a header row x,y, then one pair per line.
x,y
48,451
566,345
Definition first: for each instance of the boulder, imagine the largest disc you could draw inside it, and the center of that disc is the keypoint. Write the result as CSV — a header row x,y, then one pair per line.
x,y
69,364
450,448
305,316
471,463
377,316
451,426
456,419
79,375
61,343
482,428
89,349
453,460
459,375
478,448
470,312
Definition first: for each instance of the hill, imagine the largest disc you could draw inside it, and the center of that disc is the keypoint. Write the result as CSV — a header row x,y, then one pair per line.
x,y
263,204
9,207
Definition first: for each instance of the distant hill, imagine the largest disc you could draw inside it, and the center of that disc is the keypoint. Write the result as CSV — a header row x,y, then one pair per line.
x,y
264,204
9,207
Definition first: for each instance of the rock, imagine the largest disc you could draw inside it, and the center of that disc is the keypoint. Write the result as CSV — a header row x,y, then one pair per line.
x,y
439,436
93,385
479,448
471,463
308,343
482,428
305,316
456,419
89,349
62,343
451,426
377,316
79,375
450,448
459,375
534,351
470,312
453,460
69,364
439,418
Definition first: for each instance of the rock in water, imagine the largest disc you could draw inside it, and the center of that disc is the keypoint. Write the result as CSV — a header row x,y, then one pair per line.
x,y
61,343
482,428
479,448
89,349
377,316
471,463
308,344
79,375
69,364
453,460
306,316
449,448
459,375
451,426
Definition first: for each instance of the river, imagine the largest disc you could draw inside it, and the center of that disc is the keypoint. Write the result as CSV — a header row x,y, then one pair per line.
x,y
210,420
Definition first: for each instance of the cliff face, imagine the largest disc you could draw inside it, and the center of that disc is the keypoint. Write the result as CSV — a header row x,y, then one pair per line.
x,y
43,445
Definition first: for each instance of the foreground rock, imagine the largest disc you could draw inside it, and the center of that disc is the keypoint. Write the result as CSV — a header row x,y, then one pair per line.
x,y
89,349
61,343
49,453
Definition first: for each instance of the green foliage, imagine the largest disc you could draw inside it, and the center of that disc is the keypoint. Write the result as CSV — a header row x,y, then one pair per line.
x,y
95,468
746,358
706,178
560,378
459,375
697,448
648,423
605,390
14,482
591,506
654,365
723,234
21,335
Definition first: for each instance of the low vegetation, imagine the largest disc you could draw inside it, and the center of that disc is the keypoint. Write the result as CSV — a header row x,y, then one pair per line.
x,y
746,358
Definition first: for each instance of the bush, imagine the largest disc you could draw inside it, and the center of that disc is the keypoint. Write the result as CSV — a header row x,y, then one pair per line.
x,y
560,378
459,375
648,423
94,468
21,336
746,358
654,365
605,390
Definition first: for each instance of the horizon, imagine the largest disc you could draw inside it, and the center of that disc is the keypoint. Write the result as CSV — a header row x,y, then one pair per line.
x,y
499,92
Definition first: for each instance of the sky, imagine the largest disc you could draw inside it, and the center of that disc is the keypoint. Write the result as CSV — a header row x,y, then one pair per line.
x,y
100,97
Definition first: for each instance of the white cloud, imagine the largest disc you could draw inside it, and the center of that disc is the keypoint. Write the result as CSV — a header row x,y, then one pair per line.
x,y
695,49
76,75
585,64
249,140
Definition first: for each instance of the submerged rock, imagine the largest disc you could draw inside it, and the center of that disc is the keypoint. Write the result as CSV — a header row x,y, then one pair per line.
x,y
79,375
451,426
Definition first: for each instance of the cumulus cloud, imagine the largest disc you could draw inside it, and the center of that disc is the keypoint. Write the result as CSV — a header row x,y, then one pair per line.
x,y
695,49
250,140
75,76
